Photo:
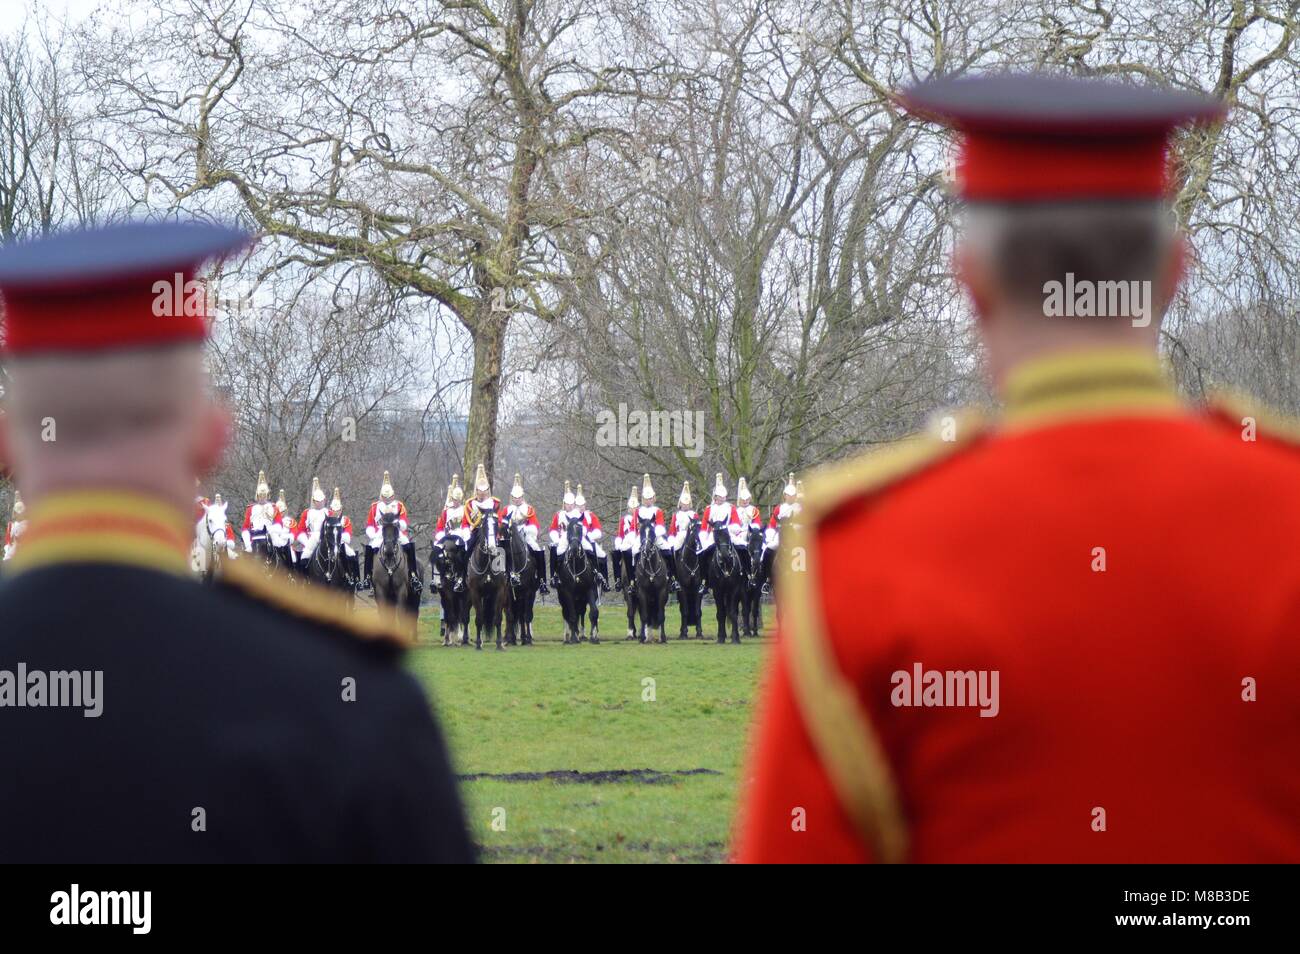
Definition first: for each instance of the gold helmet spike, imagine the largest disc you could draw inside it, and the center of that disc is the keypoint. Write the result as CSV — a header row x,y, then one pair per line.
x,y
790,488
632,502
457,494
19,507
262,491
579,499
481,485
386,488
742,490
685,499
336,505
568,495
647,491
517,491
719,488
317,495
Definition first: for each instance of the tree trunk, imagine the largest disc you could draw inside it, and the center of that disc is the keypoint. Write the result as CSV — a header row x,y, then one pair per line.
x,y
489,336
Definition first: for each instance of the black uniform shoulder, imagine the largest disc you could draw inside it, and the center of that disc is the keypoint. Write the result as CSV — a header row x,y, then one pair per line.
x,y
322,609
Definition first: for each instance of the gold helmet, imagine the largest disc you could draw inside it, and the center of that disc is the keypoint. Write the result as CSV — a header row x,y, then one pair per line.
x,y
280,502
569,499
798,494
742,491
481,485
647,491
719,488
317,494
579,499
790,489
456,494
685,499
262,491
386,488
632,502
517,491
19,507
336,505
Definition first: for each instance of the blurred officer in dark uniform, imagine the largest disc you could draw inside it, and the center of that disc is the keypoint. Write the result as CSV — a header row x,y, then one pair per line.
x,y
144,717
1066,633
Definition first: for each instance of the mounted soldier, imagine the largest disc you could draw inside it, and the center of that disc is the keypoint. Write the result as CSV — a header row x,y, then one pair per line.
x,y
309,525
17,524
388,503
344,522
720,514
591,540
787,510
520,512
282,532
625,539
651,512
558,529
258,517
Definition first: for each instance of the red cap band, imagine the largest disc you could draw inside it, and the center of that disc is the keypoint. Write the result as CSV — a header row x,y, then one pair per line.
x,y
1002,167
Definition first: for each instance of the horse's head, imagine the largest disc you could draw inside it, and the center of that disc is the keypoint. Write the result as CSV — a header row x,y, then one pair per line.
x,y
755,541
390,530
574,532
645,530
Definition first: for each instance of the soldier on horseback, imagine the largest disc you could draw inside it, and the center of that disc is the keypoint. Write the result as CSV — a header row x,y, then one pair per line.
x,y
520,512
309,525
388,503
624,540
591,540
680,522
17,525
650,511
751,518
557,530
350,562
282,532
786,510
219,528
451,522
258,516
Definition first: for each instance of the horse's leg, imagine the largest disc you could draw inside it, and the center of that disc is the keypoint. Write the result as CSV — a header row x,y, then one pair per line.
x,y
595,615
720,603
735,630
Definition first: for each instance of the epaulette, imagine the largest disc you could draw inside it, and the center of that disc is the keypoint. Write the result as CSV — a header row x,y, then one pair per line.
x,y
836,721
834,485
315,604
1241,412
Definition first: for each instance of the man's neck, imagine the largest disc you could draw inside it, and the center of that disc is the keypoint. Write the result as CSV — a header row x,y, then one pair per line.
x,y
1014,342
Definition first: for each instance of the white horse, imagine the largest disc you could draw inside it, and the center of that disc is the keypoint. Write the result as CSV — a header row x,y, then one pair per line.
x,y
210,540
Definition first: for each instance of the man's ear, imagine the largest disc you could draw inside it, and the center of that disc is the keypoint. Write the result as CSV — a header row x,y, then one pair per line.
x,y
1173,273
972,274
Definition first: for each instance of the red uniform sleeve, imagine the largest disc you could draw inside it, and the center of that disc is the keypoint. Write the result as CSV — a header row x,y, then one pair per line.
x,y
772,523
789,810
595,521
532,519
248,518
347,525
659,517
442,522
370,517
555,521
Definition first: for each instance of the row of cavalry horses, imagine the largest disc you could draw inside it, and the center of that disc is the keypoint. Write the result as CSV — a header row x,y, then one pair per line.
x,y
478,577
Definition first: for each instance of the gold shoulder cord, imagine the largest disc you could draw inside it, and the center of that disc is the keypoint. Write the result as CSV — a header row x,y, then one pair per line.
x,y
839,726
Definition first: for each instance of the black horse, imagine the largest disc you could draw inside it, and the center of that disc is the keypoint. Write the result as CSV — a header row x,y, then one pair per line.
x,y
751,589
264,556
578,590
448,562
726,576
486,578
392,576
523,586
690,576
329,564
651,581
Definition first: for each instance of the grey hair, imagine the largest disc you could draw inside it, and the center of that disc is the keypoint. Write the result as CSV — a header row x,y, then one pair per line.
x,y
1027,246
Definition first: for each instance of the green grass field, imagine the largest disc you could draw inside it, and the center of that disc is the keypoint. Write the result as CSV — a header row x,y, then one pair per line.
x,y
672,709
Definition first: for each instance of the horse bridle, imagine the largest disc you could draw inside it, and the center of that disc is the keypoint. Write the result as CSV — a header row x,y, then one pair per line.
x,y
389,555
485,568
574,551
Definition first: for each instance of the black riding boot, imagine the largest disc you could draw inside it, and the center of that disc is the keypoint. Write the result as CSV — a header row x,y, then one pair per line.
x,y
370,566
618,569
671,559
704,564
768,557
555,568
350,569
602,573
286,557
539,558
414,568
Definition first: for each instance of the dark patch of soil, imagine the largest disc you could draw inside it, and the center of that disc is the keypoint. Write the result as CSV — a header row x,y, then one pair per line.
x,y
572,776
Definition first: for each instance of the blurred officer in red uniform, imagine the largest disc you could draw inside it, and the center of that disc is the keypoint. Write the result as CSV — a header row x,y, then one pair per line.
x,y
1066,631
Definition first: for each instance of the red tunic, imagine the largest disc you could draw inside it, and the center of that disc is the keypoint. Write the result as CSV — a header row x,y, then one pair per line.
x,y
1128,573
